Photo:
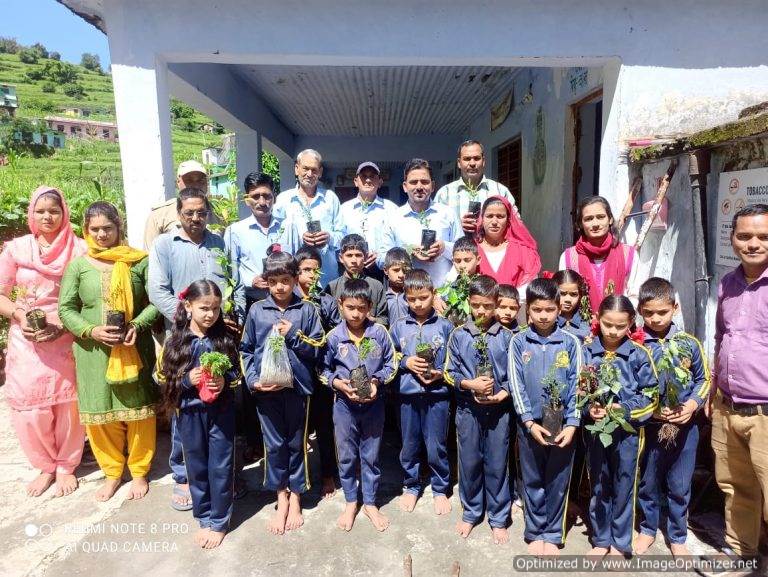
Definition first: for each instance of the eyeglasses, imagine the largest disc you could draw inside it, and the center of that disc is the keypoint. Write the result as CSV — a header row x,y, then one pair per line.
x,y
194,213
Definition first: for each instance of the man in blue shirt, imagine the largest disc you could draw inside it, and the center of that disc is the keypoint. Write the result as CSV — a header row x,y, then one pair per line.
x,y
418,214
367,214
313,211
249,239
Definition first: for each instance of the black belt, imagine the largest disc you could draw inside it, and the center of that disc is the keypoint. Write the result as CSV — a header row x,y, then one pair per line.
x,y
745,409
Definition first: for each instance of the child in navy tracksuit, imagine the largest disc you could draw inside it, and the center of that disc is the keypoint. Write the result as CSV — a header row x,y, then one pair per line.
x,y
396,263
207,428
544,365
358,421
482,411
668,467
283,411
424,395
613,469
507,307
573,317
321,407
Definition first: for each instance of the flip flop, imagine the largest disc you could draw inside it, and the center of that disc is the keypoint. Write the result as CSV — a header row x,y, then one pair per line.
x,y
179,492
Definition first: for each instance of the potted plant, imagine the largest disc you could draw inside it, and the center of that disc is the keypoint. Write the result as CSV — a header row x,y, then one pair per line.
x,y
484,366
601,386
428,235
425,351
675,366
553,409
35,317
114,317
474,204
275,363
212,365
313,225
358,377
456,297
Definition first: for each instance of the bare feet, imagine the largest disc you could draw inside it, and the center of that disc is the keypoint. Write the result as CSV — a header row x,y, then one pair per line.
x,y
328,488
442,505
295,519
500,535
201,536
66,484
642,543
108,489
276,524
598,552
464,529
516,508
213,539
536,548
407,501
181,496
40,484
377,517
551,549
139,488
679,549
614,552
347,518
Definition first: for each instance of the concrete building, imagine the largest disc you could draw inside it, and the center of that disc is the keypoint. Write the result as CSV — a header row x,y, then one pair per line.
x,y
83,128
555,89
9,103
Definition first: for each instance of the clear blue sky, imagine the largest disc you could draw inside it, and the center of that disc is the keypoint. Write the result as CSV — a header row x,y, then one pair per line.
x,y
55,26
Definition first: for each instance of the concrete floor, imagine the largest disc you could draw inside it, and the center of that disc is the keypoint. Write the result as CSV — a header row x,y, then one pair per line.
x,y
76,535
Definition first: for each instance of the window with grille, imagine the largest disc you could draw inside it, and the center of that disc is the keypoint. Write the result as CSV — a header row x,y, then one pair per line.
x,y
508,167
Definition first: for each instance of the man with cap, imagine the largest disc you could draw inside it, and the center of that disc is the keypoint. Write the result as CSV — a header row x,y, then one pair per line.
x,y
472,186
367,214
165,217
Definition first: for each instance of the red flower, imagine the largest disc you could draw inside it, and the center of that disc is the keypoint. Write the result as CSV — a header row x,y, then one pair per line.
x,y
594,327
547,274
273,248
183,294
638,335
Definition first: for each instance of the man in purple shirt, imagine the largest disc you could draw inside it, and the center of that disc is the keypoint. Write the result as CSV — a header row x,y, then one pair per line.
x,y
740,411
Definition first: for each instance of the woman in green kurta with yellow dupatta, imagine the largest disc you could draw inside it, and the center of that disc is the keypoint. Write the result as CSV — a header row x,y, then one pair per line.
x,y
116,393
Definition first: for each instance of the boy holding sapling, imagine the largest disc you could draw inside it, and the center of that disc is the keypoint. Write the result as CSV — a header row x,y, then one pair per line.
x,y
544,365
420,338
359,360
280,348
397,262
673,434
476,365
453,296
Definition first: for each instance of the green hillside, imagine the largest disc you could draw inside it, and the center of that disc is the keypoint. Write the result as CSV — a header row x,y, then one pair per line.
x,y
85,170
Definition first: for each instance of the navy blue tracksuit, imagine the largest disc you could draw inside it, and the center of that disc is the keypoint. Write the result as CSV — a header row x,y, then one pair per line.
x,y
576,325
614,470
397,307
283,413
482,429
424,409
359,426
546,470
207,433
667,471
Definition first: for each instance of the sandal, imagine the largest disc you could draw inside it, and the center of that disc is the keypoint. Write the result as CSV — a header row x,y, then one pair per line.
x,y
178,491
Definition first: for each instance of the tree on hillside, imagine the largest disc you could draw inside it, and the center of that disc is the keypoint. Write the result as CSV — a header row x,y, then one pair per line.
x,y
54,56
42,51
60,72
28,56
73,90
91,62
8,45
48,87
180,110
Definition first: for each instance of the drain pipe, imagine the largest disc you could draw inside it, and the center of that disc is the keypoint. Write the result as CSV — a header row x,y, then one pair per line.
x,y
698,169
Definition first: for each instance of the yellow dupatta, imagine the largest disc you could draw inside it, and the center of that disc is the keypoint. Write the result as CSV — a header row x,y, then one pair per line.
x,y
124,361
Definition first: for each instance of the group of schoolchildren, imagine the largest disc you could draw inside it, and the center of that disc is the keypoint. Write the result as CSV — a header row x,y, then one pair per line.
x,y
500,380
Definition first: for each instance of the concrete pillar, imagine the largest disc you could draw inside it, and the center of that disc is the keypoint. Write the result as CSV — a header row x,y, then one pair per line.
x,y
143,123
287,174
248,144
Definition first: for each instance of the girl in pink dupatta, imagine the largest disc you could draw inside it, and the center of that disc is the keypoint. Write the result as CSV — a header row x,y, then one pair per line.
x,y
508,252
598,256
40,381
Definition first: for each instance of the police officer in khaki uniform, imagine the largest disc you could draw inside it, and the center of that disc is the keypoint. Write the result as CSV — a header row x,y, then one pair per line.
x,y
191,174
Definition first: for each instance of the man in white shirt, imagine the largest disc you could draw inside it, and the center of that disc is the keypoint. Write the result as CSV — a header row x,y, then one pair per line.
x,y
408,223
472,186
367,214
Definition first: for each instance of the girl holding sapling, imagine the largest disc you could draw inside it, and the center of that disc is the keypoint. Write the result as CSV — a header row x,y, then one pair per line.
x,y
673,434
619,391
544,364
199,367
280,348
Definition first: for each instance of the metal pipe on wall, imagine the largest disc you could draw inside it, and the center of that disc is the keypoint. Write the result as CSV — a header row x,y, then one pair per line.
x,y
698,169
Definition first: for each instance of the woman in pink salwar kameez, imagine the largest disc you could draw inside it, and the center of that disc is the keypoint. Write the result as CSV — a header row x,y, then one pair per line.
x,y
40,369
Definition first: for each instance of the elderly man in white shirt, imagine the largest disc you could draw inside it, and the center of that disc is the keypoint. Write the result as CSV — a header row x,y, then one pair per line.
x,y
473,186
367,214
412,225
